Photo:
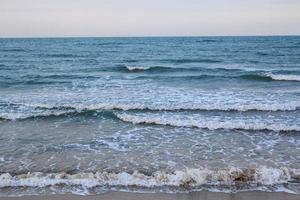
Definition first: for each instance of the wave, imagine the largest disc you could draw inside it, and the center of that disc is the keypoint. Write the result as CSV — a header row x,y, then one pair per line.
x,y
167,68
140,68
211,124
46,79
22,116
270,77
258,77
14,50
291,106
131,61
259,74
281,77
158,68
44,110
61,55
250,77
59,76
191,60
187,179
208,41
262,54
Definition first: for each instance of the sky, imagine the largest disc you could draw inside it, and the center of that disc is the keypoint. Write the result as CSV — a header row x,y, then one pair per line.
x,y
109,18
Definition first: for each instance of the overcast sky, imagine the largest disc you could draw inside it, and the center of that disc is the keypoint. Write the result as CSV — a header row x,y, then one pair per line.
x,y
31,18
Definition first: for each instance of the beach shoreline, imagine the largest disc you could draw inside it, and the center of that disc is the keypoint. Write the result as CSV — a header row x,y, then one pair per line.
x,y
203,195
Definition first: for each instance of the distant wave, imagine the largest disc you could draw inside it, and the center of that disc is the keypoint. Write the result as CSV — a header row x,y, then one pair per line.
x,y
258,74
250,77
109,43
130,61
262,54
13,50
257,77
296,46
58,76
44,79
22,116
61,55
176,61
208,41
188,179
205,124
140,68
160,69
191,60
157,68
271,77
174,69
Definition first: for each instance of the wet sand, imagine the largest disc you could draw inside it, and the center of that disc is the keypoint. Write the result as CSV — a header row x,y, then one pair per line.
x,y
162,196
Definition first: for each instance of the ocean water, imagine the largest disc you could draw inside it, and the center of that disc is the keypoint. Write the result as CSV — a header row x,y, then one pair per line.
x,y
170,114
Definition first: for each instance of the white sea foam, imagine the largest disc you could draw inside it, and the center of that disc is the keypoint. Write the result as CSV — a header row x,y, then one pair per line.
x,y
282,77
211,123
290,106
42,110
135,68
185,178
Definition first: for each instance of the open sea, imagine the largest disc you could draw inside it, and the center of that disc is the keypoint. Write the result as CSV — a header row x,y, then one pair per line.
x,y
161,114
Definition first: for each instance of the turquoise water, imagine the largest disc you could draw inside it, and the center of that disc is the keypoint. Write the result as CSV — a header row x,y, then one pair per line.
x,y
176,114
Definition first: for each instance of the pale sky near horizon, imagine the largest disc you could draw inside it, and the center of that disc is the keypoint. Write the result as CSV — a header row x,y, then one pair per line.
x,y
50,18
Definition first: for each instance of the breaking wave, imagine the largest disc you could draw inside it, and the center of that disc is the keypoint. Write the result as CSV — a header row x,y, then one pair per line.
x,y
211,124
187,179
44,110
139,68
259,75
157,68
284,77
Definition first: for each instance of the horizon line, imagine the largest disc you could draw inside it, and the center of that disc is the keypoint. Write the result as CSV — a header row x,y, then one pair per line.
x,y
147,36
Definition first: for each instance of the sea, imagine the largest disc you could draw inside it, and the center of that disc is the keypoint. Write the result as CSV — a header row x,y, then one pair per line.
x,y
149,114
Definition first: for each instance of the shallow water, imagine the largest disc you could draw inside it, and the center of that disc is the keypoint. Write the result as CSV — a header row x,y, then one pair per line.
x,y
85,115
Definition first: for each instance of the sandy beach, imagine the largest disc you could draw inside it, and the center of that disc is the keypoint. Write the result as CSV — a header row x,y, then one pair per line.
x,y
162,196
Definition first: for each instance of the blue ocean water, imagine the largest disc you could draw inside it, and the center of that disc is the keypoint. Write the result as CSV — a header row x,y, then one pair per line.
x,y
86,115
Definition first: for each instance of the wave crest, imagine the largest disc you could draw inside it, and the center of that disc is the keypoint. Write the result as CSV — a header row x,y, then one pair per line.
x,y
281,77
44,110
258,75
138,68
211,124
189,178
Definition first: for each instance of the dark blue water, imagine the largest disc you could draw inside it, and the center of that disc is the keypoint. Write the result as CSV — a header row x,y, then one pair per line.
x,y
174,113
